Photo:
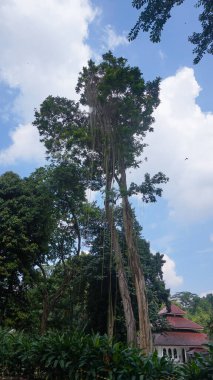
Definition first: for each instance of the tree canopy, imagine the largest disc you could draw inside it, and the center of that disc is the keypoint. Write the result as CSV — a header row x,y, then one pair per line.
x,y
104,143
26,224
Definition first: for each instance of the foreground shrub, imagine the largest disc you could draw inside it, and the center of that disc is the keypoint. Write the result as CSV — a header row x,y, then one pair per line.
x,y
83,357
53,356
14,350
116,361
200,368
73,355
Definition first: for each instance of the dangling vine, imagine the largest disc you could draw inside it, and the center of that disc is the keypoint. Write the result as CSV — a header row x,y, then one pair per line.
x,y
102,142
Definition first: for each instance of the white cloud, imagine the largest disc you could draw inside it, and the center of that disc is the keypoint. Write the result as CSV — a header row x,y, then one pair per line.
x,y
162,55
112,39
169,273
25,146
43,48
204,294
182,147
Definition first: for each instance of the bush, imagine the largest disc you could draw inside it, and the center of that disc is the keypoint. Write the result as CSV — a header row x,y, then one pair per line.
x,y
200,368
68,355
84,357
116,361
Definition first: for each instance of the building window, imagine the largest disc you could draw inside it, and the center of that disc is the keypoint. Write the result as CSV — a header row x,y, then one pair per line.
x,y
164,351
175,353
183,355
170,352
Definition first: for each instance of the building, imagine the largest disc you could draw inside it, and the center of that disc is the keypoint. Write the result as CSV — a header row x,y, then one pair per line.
x,y
182,339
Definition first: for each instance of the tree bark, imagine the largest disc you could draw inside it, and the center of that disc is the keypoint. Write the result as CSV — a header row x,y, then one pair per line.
x,y
145,336
110,317
122,281
45,314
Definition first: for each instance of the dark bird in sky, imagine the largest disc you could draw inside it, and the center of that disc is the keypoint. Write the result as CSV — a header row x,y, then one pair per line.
x,y
186,158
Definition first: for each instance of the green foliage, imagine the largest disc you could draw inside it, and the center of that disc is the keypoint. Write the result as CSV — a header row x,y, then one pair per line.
x,y
70,355
121,114
41,222
116,361
203,40
75,355
200,368
25,228
102,143
84,302
156,13
121,105
62,127
148,189
53,356
100,273
187,300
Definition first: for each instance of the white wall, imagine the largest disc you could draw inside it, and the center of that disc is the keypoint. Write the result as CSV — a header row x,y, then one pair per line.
x,y
179,351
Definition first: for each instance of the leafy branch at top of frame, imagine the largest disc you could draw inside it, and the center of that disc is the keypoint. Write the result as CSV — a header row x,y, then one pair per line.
x,y
154,14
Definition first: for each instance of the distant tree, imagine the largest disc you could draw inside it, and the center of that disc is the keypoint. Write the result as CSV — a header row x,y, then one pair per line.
x,y
199,309
156,13
186,300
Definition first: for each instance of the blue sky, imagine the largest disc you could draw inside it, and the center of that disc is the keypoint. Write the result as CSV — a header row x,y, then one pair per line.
x,y
43,46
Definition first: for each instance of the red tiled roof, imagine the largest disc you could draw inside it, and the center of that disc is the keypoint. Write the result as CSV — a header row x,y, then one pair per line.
x,y
177,338
182,323
174,310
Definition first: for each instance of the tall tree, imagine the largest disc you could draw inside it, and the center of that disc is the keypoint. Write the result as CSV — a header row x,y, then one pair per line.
x,y
121,106
106,142
67,136
154,14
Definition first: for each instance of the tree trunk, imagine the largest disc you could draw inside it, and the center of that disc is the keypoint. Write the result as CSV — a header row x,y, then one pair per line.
x,y
110,317
145,336
45,314
122,281
124,291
